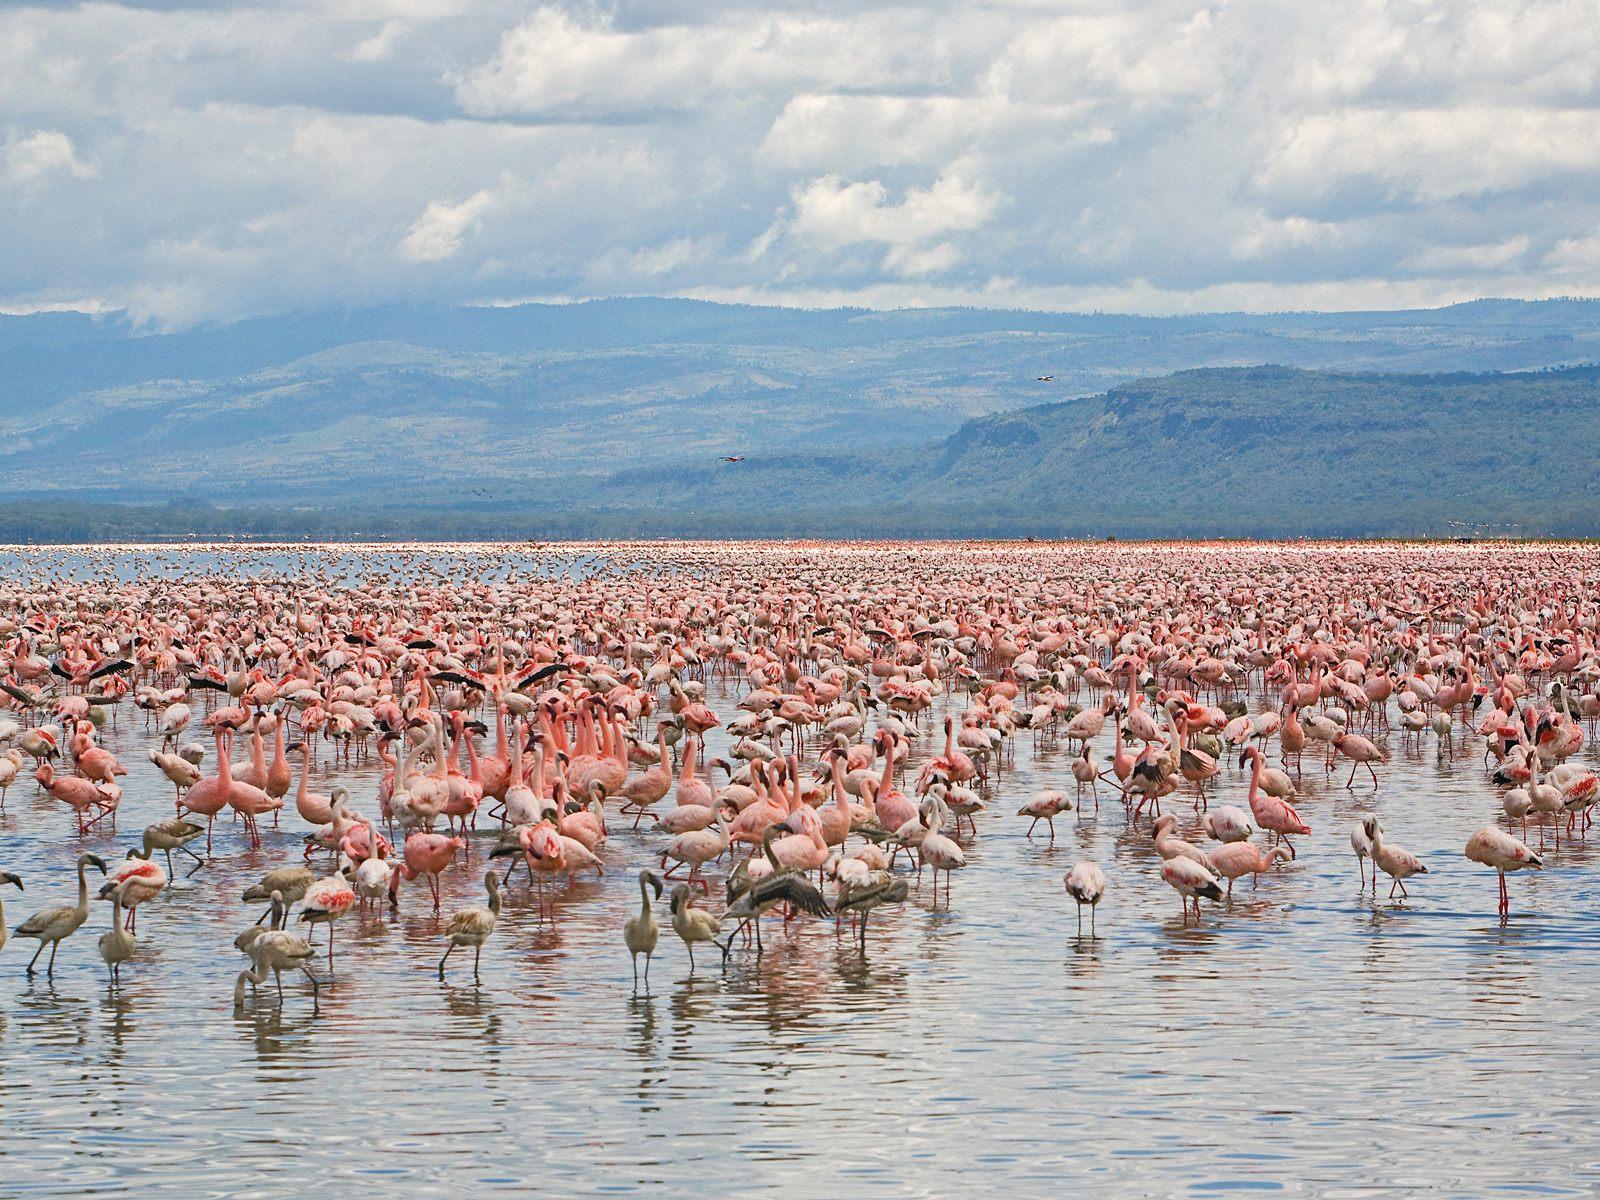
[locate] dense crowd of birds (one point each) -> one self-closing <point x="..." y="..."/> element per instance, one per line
<point x="520" y="715"/>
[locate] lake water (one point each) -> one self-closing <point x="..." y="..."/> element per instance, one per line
<point x="1307" y="1040"/>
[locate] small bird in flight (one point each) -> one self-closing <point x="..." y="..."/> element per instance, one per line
<point x="1046" y="378"/>
<point x="733" y="458"/>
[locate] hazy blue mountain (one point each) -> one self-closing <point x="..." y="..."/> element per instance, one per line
<point x="1258" y="451"/>
<point x="1271" y="451"/>
<point x="887" y="421"/>
<point x="527" y="404"/>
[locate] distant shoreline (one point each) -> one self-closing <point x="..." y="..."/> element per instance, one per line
<point x="224" y="544"/>
<point x="33" y="522"/>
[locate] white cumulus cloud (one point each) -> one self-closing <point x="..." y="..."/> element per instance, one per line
<point x="437" y="233"/>
<point x="44" y="152"/>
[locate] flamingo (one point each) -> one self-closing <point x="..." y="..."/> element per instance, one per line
<point x="1233" y="860"/>
<point x="1045" y="806"/>
<point x="117" y="944"/>
<point x="52" y="926"/>
<point x="427" y="855"/>
<point x="134" y="880"/>
<point x="1274" y="815"/>
<point x="472" y="926"/>
<point x="324" y="902"/>
<point x="641" y="932"/>
<point x="1361" y="752"/>
<point x="209" y="796"/>
<point x="1191" y="881"/>
<point x="80" y="795"/>
<point x="692" y="924"/>
<point x="1086" y="884"/>
<point x="1400" y="865"/>
<point x="1495" y="848"/>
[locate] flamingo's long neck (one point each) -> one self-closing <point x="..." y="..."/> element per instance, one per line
<point x="691" y="756"/>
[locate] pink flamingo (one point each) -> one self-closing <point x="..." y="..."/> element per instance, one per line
<point x="135" y="880"/>
<point x="1274" y="815"/>
<point x="1495" y="848"/>
<point x="210" y="796"/>
<point x="251" y="803"/>
<point x="313" y="807"/>
<point x="642" y="793"/>
<point x="96" y="763"/>
<point x="80" y="795"/>
<point x="1235" y="859"/>
<point x="895" y="810"/>
<point x="1360" y="751"/>
<point x="428" y="854"/>
<point x="324" y="902"/>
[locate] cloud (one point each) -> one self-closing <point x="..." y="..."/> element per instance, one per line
<point x="666" y="258"/>
<point x="381" y="44"/>
<point x="1575" y="256"/>
<point x="557" y="62"/>
<point x="1486" y="257"/>
<point x="1430" y="155"/>
<point x="853" y="132"/>
<point x="44" y="152"/>
<point x="198" y="161"/>
<point x="437" y="233"/>
<point x="833" y="214"/>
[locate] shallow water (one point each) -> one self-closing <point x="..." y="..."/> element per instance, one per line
<point x="1306" y="1040"/>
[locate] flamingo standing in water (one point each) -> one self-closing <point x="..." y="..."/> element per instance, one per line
<point x="313" y="807"/>
<point x="1362" y="752"/>
<point x="1045" y="806"/>
<point x="1191" y="881"/>
<point x="134" y="880"/>
<point x="1495" y="848"/>
<point x="1400" y="865"/>
<point x="472" y="926"/>
<point x="80" y="795"/>
<point x="1232" y="860"/>
<point x="1086" y="884"/>
<point x="641" y="794"/>
<point x="52" y="926"/>
<point x="251" y="802"/>
<point x="1275" y="816"/>
<point x="427" y="855"/>
<point x="642" y="932"/>
<point x="324" y="902"/>
<point x="209" y="796"/>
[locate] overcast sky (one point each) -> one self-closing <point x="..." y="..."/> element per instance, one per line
<point x="193" y="161"/>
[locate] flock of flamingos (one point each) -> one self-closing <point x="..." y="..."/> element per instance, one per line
<point x="526" y="717"/>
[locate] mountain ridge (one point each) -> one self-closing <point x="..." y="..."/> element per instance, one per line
<point x="626" y="408"/>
